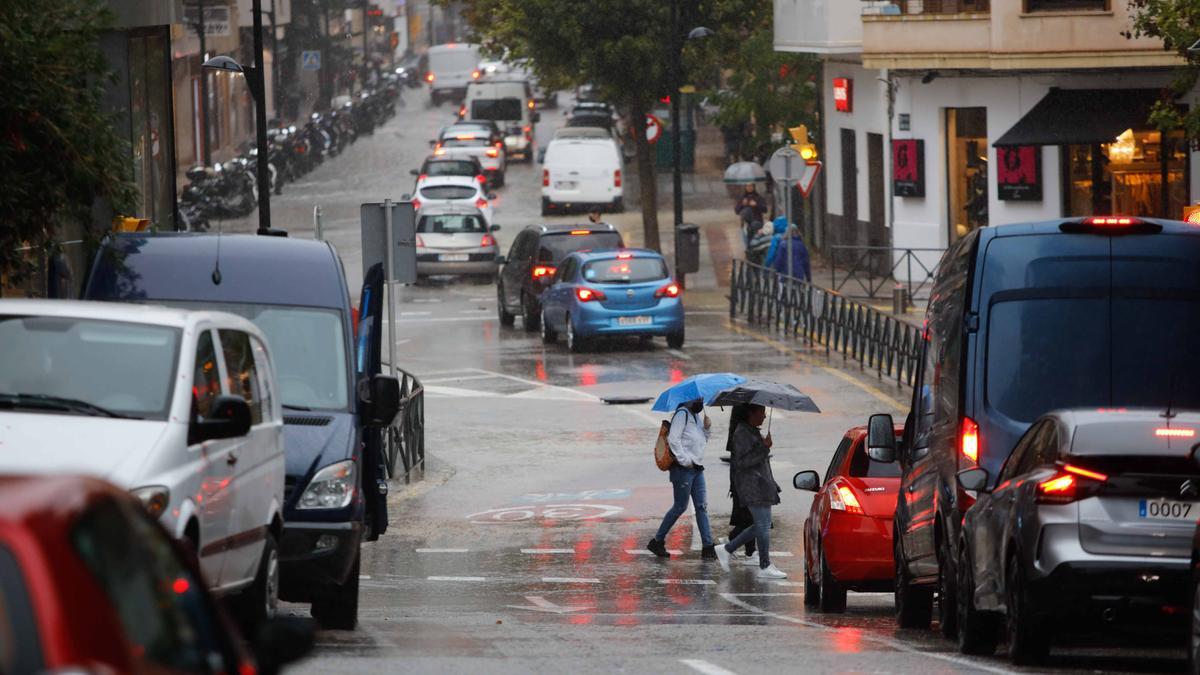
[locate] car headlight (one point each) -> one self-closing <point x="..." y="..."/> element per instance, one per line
<point x="331" y="488"/>
<point x="154" y="498"/>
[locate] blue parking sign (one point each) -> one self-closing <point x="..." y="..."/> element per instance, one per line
<point x="310" y="60"/>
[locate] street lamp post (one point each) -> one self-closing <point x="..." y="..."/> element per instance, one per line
<point x="255" y="79"/>
<point x="675" y="75"/>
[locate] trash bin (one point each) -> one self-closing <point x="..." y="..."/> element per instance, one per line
<point x="687" y="248"/>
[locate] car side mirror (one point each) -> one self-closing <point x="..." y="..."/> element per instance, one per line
<point x="230" y="418"/>
<point x="807" y="480"/>
<point x="973" y="480"/>
<point x="415" y="172"/>
<point x="881" y="438"/>
<point x="500" y="260"/>
<point x="281" y="641"/>
<point x="384" y="404"/>
<point x="495" y="228"/>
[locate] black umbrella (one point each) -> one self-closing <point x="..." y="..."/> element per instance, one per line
<point x="768" y="394"/>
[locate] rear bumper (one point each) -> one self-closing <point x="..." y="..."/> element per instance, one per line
<point x="592" y="319"/>
<point x="316" y="554"/>
<point x="858" y="549"/>
<point x="479" y="262"/>
<point x="518" y="144"/>
<point x="1141" y="593"/>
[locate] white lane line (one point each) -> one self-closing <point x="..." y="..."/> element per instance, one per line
<point x="708" y="312"/>
<point x="688" y="582"/>
<point x="460" y="378"/>
<point x="447" y="319"/>
<point x="705" y="667"/>
<point x="364" y="576"/>
<point x="415" y="313"/>
<point x="641" y="551"/>
<point x="456" y="578"/>
<point x="569" y="580"/>
<point x="788" y="583"/>
<point x="476" y="311"/>
<point x="540" y="551"/>
<point x="459" y="392"/>
<point x="887" y="642"/>
<point x="782" y="554"/>
<point x="442" y="550"/>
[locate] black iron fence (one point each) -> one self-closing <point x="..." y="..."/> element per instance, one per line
<point x="406" y="434"/>
<point x="877" y="341"/>
<point x="871" y="272"/>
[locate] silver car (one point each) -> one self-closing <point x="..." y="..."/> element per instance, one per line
<point x="455" y="240"/>
<point x="1089" y="523"/>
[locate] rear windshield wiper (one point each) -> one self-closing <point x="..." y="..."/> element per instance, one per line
<point x="46" y="401"/>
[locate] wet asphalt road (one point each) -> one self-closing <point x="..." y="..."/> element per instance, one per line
<point x="522" y="549"/>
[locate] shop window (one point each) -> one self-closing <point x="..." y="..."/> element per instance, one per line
<point x="967" y="169"/>
<point x="1142" y="173"/>
<point x="1065" y="5"/>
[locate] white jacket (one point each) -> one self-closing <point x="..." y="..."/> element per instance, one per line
<point x="687" y="438"/>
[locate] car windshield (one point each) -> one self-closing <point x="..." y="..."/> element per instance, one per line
<point x="862" y="466"/>
<point x="448" y="192"/>
<point x="88" y="366"/>
<point x="450" y="169"/>
<point x="496" y="109"/>
<point x="625" y="270"/>
<point x="452" y="223"/>
<point x="308" y="349"/>
<point x="555" y="247"/>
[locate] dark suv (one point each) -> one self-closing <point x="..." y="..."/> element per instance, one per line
<point x="533" y="260"/>
<point x="1025" y="319"/>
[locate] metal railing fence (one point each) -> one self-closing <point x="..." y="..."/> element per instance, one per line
<point x="406" y="433"/>
<point x="867" y="270"/>
<point x="876" y="340"/>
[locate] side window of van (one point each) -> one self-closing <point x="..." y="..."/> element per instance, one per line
<point x="924" y="411"/>
<point x="206" y="378"/>
<point x="241" y="371"/>
<point x="262" y="366"/>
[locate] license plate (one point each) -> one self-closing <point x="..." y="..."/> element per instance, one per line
<point x="565" y="185"/>
<point x="634" y="321"/>
<point x="1166" y="509"/>
<point x="454" y="257"/>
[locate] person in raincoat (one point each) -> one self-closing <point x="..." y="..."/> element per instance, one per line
<point x="740" y="518"/>
<point x="801" y="267"/>
<point x="756" y="487"/>
<point x="687" y="439"/>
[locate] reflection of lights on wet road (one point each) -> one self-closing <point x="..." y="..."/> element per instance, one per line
<point x="587" y="375"/>
<point x="540" y="370"/>
<point x="676" y="376"/>
<point x="847" y="640"/>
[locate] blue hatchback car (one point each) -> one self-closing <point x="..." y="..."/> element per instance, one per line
<point x="619" y="292"/>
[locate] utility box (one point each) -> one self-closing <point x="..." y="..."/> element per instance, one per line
<point x="687" y="249"/>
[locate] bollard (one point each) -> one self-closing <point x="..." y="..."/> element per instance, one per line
<point x="899" y="300"/>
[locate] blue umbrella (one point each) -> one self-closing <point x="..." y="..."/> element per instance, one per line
<point x="695" y="387"/>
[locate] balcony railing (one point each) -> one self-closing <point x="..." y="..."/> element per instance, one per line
<point x="897" y="7"/>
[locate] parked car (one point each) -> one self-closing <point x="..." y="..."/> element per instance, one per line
<point x="459" y="191"/>
<point x="336" y="401"/>
<point x="180" y="408"/>
<point x="582" y="173"/>
<point x="532" y="261"/>
<point x="90" y="583"/>
<point x="612" y="293"/>
<point x="467" y="167"/>
<point x="848" y="532"/>
<point x="1026" y="319"/>
<point x="451" y="68"/>
<point x="509" y="103"/>
<point x="1089" y="523"/>
<point x="455" y="239"/>
<point x="479" y="144"/>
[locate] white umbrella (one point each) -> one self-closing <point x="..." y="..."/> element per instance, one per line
<point x="745" y="173"/>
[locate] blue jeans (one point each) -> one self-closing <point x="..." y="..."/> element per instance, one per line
<point x="761" y="533"/>
<point x="688" y="483"/>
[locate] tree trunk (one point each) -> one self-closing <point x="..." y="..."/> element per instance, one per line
<point x="647" y="179"/>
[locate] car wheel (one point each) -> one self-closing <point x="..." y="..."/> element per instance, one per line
<point x="549" y="336"/>
<point x="530" y="313"/>
<point x="675" y="340"/>
<point x="812" y="591"/>
<point x="914" y="604"/>
<point x="257" y="604"/>
<point x="978" y="632"/>
<point x="1028" y="643"/>
<point x="506" y="318"/>
<point x="574" y="342"/>
<point x="336" y="606"/>
<point x="833" y="593"/>
<point x="946" y="589"/>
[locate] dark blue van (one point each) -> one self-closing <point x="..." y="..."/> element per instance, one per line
<point x="335" y="400"/>
<point x="1025" y="319"/>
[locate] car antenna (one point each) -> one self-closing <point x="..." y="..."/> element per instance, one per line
<point x="216" y="273"/>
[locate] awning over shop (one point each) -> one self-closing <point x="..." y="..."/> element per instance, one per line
<point x="1082" y="117"/>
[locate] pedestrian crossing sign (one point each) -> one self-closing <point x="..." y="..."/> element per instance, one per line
<point x="310" y="60"/>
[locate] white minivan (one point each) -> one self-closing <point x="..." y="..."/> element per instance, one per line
<point x="579" y="173"/>
<point x="179" y="407"/>
<point x="509" y="103"/>
<point x="452" y="67"/>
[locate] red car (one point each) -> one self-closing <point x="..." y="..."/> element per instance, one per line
<point x="848" y="532"/>
<point x="90" y="583"/>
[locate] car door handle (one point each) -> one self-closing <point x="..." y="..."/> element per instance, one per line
<point x="231" y="459"/>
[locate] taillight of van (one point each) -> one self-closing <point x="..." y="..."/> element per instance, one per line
<point x="968" y="440"/>
<point x="545" y="177"/>
<point x="617" y="178"/>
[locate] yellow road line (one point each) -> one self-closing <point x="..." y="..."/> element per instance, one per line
<point x="783" y="348"/>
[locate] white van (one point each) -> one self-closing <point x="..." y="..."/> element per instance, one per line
<point x="451" y="68"/>
<point x="582" y="173"/>
<point x="179" y="407"/>
<point x="508" y="103"/>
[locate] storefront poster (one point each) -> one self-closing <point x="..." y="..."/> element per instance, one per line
<point x="908" y="168"/>
<point x="1019" y="173"/>
<point x="843" y="94"/>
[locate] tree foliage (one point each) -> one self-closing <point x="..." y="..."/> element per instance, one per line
<point x="59" y="149"/>
<point x="1177" y="24"/>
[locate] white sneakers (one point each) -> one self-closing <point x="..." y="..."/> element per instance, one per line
<point x="772" y="572"/>
<point x="722" y="556"/>
<point x="750" y="560"/>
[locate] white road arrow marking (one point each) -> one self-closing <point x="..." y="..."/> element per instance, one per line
<point x="540" y="604"/>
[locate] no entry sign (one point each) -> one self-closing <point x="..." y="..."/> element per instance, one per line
<point x="653" y="129"/>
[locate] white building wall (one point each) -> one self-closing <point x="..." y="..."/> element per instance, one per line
<point x="869" y="116"/>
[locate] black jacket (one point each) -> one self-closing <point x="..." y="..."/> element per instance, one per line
<point x="752" y="477"/>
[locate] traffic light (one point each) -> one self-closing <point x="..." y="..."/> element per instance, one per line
<point x="801" y="143"/>
<point x="1192" y="214"/>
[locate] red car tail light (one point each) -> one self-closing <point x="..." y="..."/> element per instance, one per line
<point x="1078" y="471"/>
<point x="545" y="177"/>
<point x="843" y="499"/>
<point x="969" y="440"/>
<point x="429" y="77"/>
<point x="475" y="74"/>
<point x="438" y="151"/>
<point x="530" y="104"/>
<point x="1071" y="483"/>
<point x="462" y="111"/>
<point x="492" y="152"/>
<point x="624" y="256"/>
<point x="1175" y="433"/>
<point x="481" y="178"/>
<point x="487" y="240"/>
<point x="416" y="204"/>
<point x="1111" y="221"/>
<point x="589" y="294"/>
<point x="420" y="242"/>
<point x="671" y="290"/>
<point x="540" y="271"/>
<point x="617" y="178"/>
<point x="481" y="203"/>
<point x="580" y="232"/>
<point x="422" y="177"/>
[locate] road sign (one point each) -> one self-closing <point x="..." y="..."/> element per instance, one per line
<point x="404" y="239"/>
<point x="787" y="166"/>
<point x="310" y="60"/>
<point x="808" y="177"/>
<point x="654" y="128"/>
